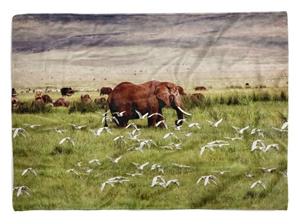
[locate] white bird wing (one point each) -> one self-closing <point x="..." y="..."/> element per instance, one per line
<point x="103" y="186"/>
<point x="19" y="192"/>
<point x="116" y="120"/>
<point x="206" y="180"/>
<point x="284" y="126"/>
<point x="139" y="114"/>
<point x="253" y="185"/>
<point x="174" y="181"/>
<point x="199" y="180"/>
<point x="117" y="159"/>
<point x="243" y="129"/>
<point x="143" y="165"/>
<point x="62" y="141"/>
<point x="24" y="172"/>
<point x="218" y="122"/>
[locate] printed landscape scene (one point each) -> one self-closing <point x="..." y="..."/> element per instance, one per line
<point x="150" y="111"/>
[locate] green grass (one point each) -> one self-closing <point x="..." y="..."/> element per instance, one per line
<point x="53" y="188"/>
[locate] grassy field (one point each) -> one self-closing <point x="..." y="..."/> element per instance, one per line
<point x="55" y="188"/>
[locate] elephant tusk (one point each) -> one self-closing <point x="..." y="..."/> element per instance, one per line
<point x="184" y="112"/>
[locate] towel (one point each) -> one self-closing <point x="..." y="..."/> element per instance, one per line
<point x="150" y="111"/>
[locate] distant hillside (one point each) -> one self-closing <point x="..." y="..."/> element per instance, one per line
<point x="191" y="49"/>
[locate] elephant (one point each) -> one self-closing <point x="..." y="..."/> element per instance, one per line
<point x="127" y="99"/>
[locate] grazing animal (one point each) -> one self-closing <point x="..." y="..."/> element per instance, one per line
<point x="196" y="97"/>
<point x="61" y="102"/>
<point x="200" y="88"/>
<point x="101" y="102"/>
<point x="105" y="90"/>
<point x="15" y="102"/>
<point x="38" y="102"/>
<point x="181" y="91"/>
<point x="13" y="92"/>
<point x="38" y="93"/>
<point x="146" y="98"/>
<point x="47" y="99"/>
<point x="85" y="99"/>
<point x="67" y="91"/>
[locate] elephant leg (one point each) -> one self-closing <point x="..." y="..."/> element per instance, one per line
<point x="123" y="121"/>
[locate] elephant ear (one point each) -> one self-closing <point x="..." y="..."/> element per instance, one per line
<point x="163" y="94"/>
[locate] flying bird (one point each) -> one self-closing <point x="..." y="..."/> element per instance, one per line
<point x="207" y="179"/>
<point x="19" y="131"/>
<point x="240" y="130"/>
<point x="22" y="190"/>
<point x="112" y="181"/>
<point x="119" y="114"/>
<point x="141" y="166"/>
<point x="29" y="170"/>
<point x="283" y="128"/>
<point x="192" y="125"/>
<point x="67" y="139"/>
<point x="215" y="124"/>
<point x="114" y="160"/>
<point x="256" y="183"/>
<point x="142" y="116"/>
<point x="162" y="122"/>
<point x="95" y="161"/>
<point x="160" y="181"/>
<point x="170" y="134"/>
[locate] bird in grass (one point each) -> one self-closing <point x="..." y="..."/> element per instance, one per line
<point x="59" y="131"/>
<point x="258" y="144"/>
<point x="99" y="131"/>
<point x="283" y="128"/>
<point x="22" y="190"/>
<point x="215" y="124"/>
<point x="141" y="166"/>
<point x="73" y="171"/>
<point x="119" y="139"/>
<point x="160" y="181"/>
<point x="29" y="170"/>
<point x="141" y="116"/>
<point x="181" y="166"/>
<point x="19" y="131"/>
<point x="143" y="143"/>
<point x="172" y="146"/>
<point x="161" y="122"/>
<point x="157" y="167"/>
<point x="67" y="139"/>
<point x="249" y="175"/>
<point x="78" y="127"/>
<point x="180" y="121"/>
<point x="258" y="183"/>
<point x="240" y="130"/>
<point x="131" y="125"/>
<point x="268" y="170"/>
<point x="112" y="181"/>
<point x="114" y="160"/>
<point x="33" y="126"/>
<point x="207" y="179"/>
<point x="234" y="138"/>
<point x="134" y="174"/>
<point x="258" y="132"/>
<point x="134" y="136"/>
<point x="221" y="172"/>
<point x="119" y="114"/>
<point x="271" y="146"/>
<point x="95" y="161"/>
<point x="170" y="134"/>
<point x="192" y="125"/>
<point x="188" y="134"/>
<point x="212" y="145"/>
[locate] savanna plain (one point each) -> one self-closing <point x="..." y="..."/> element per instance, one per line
<point x="239" y="162"/>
